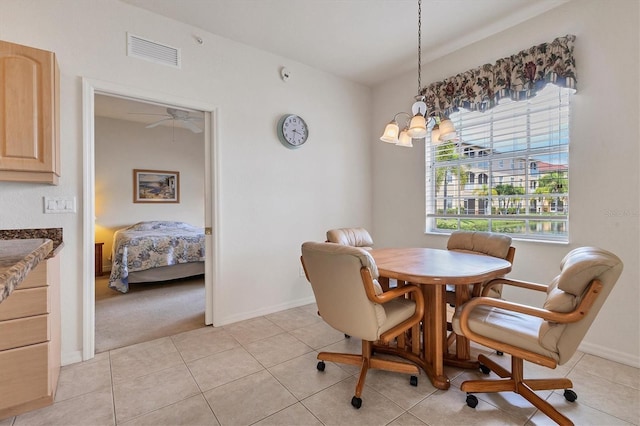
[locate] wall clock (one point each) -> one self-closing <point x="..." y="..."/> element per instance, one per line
<point x="292" y="131"/>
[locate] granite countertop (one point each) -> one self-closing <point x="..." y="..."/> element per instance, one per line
<point x="53" y="234"/>
<point x="17" y="258"/>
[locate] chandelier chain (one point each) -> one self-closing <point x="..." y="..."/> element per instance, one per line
<point x="419" y="44"/>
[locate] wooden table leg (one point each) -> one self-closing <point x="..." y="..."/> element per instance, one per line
<point x="434" y="335"/>
<point x="462" y="357"/>
<point x="462" y="343"/>
<point x="384" y="283"/>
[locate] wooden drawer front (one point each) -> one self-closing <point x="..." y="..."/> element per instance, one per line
<point x="23" y="332"/>
<point x="25" y="374"/>
<point x="36" y="277"/>
<point x="25" y="303"/>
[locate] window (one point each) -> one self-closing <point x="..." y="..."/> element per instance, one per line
<point x="517" y="181"/>
<point x="472" y="178"/>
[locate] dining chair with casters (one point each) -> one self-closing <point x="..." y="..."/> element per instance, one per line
<point x="485" y="243"/>
<point x="354" y="237"/>
<point x="344" y="283"/>
<point x="547" y="336"/>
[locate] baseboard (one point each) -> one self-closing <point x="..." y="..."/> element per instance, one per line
<point x="610" y="354"/>
<point x="266" y="311"/>
<point x="71" y="357"/>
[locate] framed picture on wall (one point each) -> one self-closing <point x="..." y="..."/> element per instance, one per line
<point x="156" y="186"/>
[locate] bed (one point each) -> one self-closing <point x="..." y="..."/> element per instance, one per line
<point x="156" y="251"/>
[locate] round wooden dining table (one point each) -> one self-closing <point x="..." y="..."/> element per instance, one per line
<point x="432" y="270"/>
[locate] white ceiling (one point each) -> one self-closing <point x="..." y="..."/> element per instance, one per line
<point x="367" y="41"/>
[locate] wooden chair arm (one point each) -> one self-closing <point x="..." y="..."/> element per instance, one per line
<point x="516" y="283"/>
<point x="577" y="314"/>
<point x="394" y="293"/>
<point x="390" y="294"/>
<point x="560" y="317"/>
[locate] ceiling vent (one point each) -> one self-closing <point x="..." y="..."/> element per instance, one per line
<point x="152" y="51"/>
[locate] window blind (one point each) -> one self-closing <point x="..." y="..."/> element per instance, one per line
<point x="507" y="171"/>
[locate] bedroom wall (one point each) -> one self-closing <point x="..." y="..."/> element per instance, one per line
<point x="271" y="198"/>
<point x="604" y="157"/>
<point x="122" y="146"/>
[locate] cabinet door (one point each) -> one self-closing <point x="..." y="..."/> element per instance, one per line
<point x="28" y="114"/>
<point x="24" y="375"/>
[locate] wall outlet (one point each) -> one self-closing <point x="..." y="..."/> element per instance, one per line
<point x="59" y="204"/>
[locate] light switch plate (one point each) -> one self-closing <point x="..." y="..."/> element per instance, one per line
<point x="59" y="204"/>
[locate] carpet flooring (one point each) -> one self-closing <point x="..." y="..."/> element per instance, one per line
<point x="147" y="312"/>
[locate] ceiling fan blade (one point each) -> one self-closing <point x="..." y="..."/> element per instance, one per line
<point x="157" y="123"/>
<point x="189" y="125"/>
<point x="147" y="113"/>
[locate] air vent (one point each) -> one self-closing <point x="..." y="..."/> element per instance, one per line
<point x="152" y="51"/>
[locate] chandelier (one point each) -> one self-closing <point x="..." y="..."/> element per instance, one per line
<point x="416" y="123"/>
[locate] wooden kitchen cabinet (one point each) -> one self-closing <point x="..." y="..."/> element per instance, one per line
<point x="29" y="114"/>
<point x="30" y="341"/>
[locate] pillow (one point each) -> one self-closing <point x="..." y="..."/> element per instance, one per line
<point x="460" y="240"/>
<point x="157" y="224"/>
<point x="356" y="237"/>
<point x="579" y="268"/>
<point x="558" y="300"/>
<point x="495" y="245"/>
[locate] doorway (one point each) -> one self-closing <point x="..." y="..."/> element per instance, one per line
<point x="91" y="88"/>
<point x="153" y="301"/>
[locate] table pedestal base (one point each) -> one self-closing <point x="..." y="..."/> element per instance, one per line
<point x="438" y="381"/>
<point x="453" y="361"/>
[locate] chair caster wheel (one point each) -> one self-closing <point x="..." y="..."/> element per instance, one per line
<point x="485" y="369"/>
<point x="413" y="381"/>
<point x="321" y="365"/>
<point x="472" y="401"/>
<point x="356" y="402"/>
<point x="570" y="395"/>
<point x="347" y="336"/>
<point x="500" y="353"/>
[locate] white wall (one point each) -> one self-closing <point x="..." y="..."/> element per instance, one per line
<point x="604" y="157"/>
<point x="271" y="198"/>
<point x="122" y="146"/>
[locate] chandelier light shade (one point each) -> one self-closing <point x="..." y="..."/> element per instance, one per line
<point x="420" y="119"/>
<point x="418" y="127"/>
<point x="447" y="131"/>
<point x="435" y="133"/>
<point x="405" y="139"/>
<point x="390" y="134"/>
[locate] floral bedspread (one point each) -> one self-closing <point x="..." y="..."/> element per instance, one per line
<point x="148" y="245"/>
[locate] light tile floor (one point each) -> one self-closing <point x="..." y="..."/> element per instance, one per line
<point x="263" y="372"/>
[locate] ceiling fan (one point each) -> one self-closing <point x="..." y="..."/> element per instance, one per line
<point x="174" y="114"/>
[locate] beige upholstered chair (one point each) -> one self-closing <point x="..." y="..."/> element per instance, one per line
<point x="487" y="243"/>
<point x="344" y="282"/>
<point x="356" y="237"/>
<point x="547" y="336"/>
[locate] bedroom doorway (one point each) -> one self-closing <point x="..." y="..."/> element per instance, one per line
<point x="94" y="93"/>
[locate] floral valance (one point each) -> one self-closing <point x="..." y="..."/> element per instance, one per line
<point x="518" y="76"/>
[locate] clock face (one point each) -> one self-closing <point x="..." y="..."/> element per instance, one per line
<point x="293" y="131"/>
